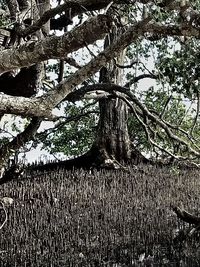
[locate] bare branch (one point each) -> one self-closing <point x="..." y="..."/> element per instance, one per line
<point x="190" y="138"/>
<point x="26" y="107"/>
<point x="55" y="47"/>
<point x="145" y="127"/>
<point x="140" y="77"/>
<point x="43" y="106"/>
<point x="125" y="66"/>
<point x="62" y="123"/>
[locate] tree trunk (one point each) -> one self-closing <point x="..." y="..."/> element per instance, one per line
<point x="112" y="135"/>
<point x="112" y="138"/>
<point x="112" y="145"/>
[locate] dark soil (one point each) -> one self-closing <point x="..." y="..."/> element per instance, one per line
<point x="100" y="218"/>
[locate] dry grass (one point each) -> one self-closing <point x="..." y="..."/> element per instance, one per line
<point x="99" y="219"/>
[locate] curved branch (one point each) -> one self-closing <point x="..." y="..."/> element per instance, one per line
<point x="145" y="127"/>
<point x="140" y="77"/>
<point x="77" y="95"/>
<point x="186" y="216"/>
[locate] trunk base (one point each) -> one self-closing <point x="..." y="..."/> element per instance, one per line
<point x="94" y="158"/>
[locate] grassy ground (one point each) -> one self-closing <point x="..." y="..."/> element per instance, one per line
<point x="100" y="219"/>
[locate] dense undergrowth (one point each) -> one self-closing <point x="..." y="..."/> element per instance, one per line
<point x="100" y="218"/>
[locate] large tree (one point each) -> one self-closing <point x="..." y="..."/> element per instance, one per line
<point x="118" y="38"/>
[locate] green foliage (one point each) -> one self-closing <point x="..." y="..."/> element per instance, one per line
<point x="175" y="60"/>
<point x="75" y="136"/>
<point x="171" y="108"/>
<point x="4" y="20"/>
<point x="172" y="97"/>
<point x="181" y="67"/>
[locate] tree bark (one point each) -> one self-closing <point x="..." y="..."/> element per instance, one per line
<point x="112" y="140"/>
<point x="55" y="46"/>
<point x="112" y="136"/>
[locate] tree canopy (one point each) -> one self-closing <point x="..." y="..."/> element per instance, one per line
<point x="101" y="63"/>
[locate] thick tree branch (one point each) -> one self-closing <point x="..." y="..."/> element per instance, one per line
<point x="174" y="30"/>
<point x="42" y="106"/>
<point x="88" y="32"/>
<point x="27" y="107"/>
<point x="67" y="86"/>
<point x="55" y="47"/>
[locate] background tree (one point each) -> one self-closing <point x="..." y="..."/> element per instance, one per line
<point x="158" y="40"/>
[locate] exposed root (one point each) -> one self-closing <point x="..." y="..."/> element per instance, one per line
<point x="188" y="218"/>
<point x="112" y="164"/>
<point x="94" y="159"/>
